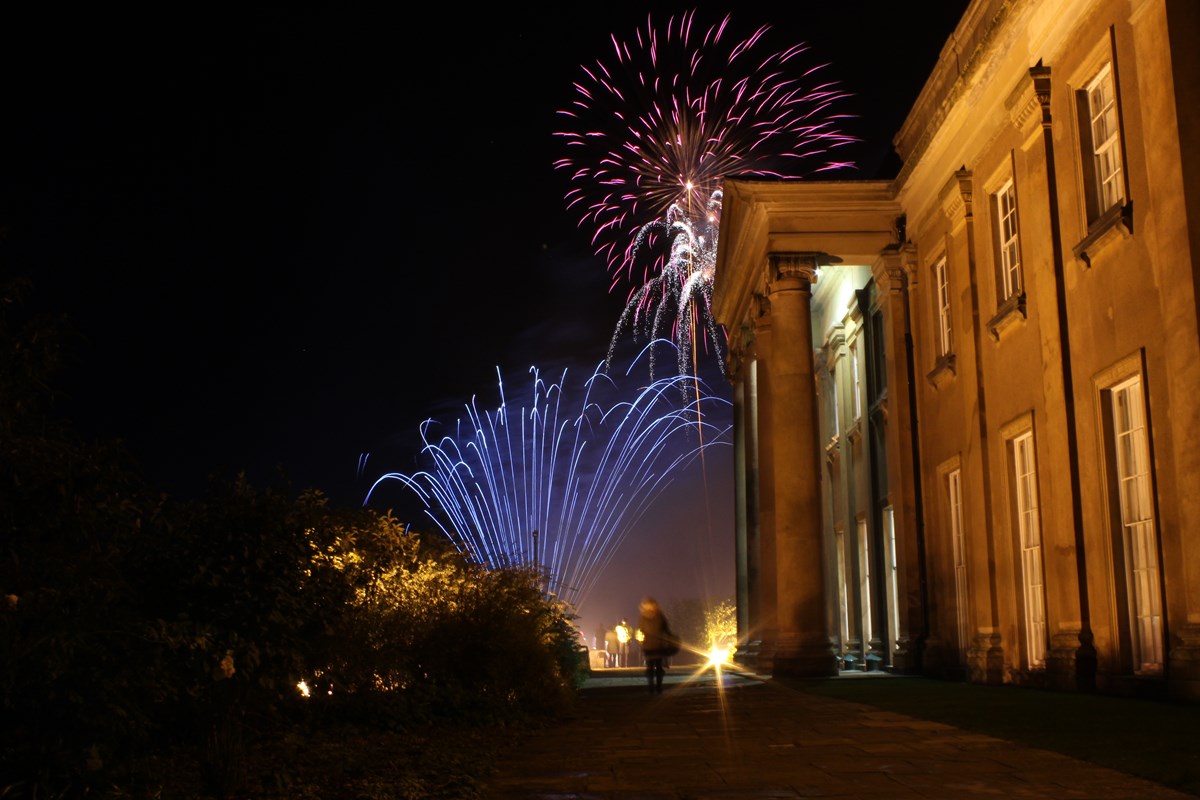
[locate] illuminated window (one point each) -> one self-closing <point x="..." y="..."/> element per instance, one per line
<point x="837" y="422"/>
<point x="1008" y="255"/>
<point x="943" y="305"/>
<point x="893" y="578"/>
<point x="843" y="596"/>
<point x="877" y="379"/>
<point x="1138" y="537"/>
<point x="1100" y="131"/>
<point x="954" y="501"/>
<point x="864" y="586"/>
<point x="1024" y="474"/>
<point x="855" y="380"/>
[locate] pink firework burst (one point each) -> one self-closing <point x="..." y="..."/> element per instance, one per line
<point x="656" y="124"/>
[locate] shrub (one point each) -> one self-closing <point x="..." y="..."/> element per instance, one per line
<point x="429" y="633"/>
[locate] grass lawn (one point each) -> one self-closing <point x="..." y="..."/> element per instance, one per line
<point x="1155" y="740"/>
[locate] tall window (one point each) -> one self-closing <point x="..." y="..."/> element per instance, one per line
<point x="843" y="596"/>
<point x="954" y="500"/>
<point x="1139" y="539"/>
<point x="1100" y="130"/>
<point x="893" y="578"/>
<point x="877" y="356"/>
<point x="864" y="587"/>
<point x="1009" y="254"/>
<point x="837" y="423"/>
<point x="1033" y="584"/>
<point x="855" y="379"/>
<point x="943" y="302"/>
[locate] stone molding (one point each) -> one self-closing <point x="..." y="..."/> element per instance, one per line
<point x="791" y="268"/>
<point x="1114" y="225"/>
<point x="956" y="197"/>
<point x="944" y="369"/>
<point x="1011" y="311"/>
<point x="1029" y="104"/>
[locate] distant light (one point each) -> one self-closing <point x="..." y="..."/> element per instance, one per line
<point x="718" y="656"/>
<point x="303" y="687"/>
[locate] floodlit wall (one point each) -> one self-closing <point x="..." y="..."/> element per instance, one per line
<point x="1033" y="269"/>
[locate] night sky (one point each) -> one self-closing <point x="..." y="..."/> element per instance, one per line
<point x="284" y="238"/>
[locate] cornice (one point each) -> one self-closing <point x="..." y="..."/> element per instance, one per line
<point x="940" y="96"/>
<point x="956" y="197"/>
<point x="762" y="214"/>
<point x="1029" y="103"/>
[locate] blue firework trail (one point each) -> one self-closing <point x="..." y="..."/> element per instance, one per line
<point x="579" y="470"/>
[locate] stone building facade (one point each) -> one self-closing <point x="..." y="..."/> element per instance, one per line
<point x="966" y="399"/>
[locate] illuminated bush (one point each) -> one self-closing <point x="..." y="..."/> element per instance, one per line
<point x="720" y="625"/>
<point x="429" y="633"/>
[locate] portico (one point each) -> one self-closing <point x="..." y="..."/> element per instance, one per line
<point x="803" y="545"/>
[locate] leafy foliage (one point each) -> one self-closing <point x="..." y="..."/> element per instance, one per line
<point x="720" y="625"/>
<point x="132" y="623"/>
<point x="68" y="509"/>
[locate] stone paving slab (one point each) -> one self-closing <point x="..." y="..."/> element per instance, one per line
<point x="747" y="739"/>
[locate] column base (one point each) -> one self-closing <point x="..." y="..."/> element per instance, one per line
<point x="851" y="657"/>
<point x="876" y="658"/>
<point x="746" y="656"/>
<point x="805" y="657"/>
<point x="765" y="654"/>
<point x="985" y="660"/>
<point x="1071" y="663"/>
<point x="907" y="658"/>
<point x="1183" y="665"/>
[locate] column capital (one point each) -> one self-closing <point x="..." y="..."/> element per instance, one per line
<point x="835" y="341"/>
<point x="792" y="270"/>
<point x="890" y="268"/>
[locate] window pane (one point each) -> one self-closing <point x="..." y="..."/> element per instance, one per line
<point x="1106" y="146"/>
<point x="1025" y="484"/>
<point x="1009" y="256"/>
<point x="1140" y="539"/>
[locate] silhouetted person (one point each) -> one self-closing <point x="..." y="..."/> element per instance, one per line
<point x="657" y="642"/>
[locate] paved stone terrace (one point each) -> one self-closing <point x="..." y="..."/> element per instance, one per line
<point x="748" y="738"/>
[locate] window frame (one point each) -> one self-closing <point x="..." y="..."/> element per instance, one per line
<point x="1105" y="207"/>
<point x="1137" y="573"/>
<point x="866" y="603"/>
<point x="1025" y="497"/>
<point x="855" y="380"/>
<point x="958" y="551"/>
<point x="1104" y="163"/>
<point x="945" y="321"/>
<point x="1008" y="240"/>
<point x="1107" y="157"/>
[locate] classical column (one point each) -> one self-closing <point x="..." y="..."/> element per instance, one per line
<point x="753" y="526"/>
<point x="802" y="645"/>
<point x="891" y="273"/>
<point x="764" y="426"/>
<point x="737" y="370"/>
